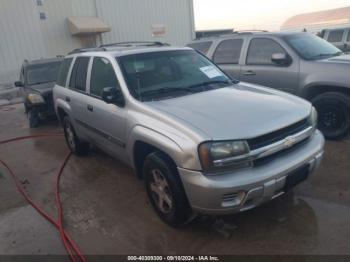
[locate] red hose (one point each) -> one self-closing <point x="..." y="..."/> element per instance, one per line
<point x="68" y="242"/>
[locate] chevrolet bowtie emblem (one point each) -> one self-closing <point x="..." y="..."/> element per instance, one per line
<point x="289" y="141"/>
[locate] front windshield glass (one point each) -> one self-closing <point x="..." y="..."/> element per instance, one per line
<point x="42" y="73"/>
<point x="166" y="74"/>
<point x="311" y="47"/>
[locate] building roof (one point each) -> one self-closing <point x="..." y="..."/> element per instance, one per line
<point x="339" y="15"/>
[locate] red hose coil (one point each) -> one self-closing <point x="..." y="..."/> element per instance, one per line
<point x="69" y="244"/>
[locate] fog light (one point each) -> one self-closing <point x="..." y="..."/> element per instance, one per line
<point x="233" y="200"/>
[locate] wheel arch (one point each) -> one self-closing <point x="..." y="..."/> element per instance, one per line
<point x="313" y="90"/>
<point x="144" y="141"/>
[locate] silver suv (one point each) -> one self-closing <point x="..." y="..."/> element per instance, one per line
<point x="298" y="63"/>
<point x="202" y="142"/>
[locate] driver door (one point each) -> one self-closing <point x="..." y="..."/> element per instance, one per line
<point x="259" y="69"/>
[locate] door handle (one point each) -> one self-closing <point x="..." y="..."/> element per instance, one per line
<point x="90" y="108"/>
<point x="249" y="73"/>
<point x="67" y="98"/>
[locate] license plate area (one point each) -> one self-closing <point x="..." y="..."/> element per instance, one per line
<point x="296" y="177"/>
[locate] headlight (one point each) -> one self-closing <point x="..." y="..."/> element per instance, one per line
<point x="36" y="99"/>
<point x="313" y="118"/>
<point x="217" y="155"/>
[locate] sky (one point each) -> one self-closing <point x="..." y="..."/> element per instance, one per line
<point x="255" y="14"/>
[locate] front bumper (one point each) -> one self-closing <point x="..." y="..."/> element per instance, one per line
<point x="247" y="188"/>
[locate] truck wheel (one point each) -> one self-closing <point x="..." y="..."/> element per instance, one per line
<point x="74" y="143"/>
<point x="333" y="114"/>
<point x="34" y="119"/>
<point x="165" y="190"/>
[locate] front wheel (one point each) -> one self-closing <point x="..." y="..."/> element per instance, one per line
<point x="165" y="190"/>
<point x="34" y="118"/>
<point x="75" y="145"/>
<point x="333" y="114"/>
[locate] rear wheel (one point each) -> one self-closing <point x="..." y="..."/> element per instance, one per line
<point x="77" y="146"/>
<point x="165" y="190"/>
<point x="333" y="114"/>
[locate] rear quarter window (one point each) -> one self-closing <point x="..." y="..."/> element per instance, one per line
<point x="202" y="47"/>
<point x="63" y="72"/>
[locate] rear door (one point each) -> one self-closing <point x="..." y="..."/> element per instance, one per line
<point x="76" y="93"/>
<point x="106" y="122"/>
<point x="227" y="55"/>
<point x="259" y="69"/>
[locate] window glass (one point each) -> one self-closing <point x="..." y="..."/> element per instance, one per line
<point x="166" y="74"/>
<point x="63" y="72"/>
<point x="228" y="51"/>
<point x="335" y="36"/>
<point x="348" y="38"/>
<point x="261" y="50"/>
<point x="79" y="73"/>
<point x="202" y="47"/>
<point x="42" y="73"/>
<point x="102" y="75"/>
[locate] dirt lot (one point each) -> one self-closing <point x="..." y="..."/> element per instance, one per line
<point x="106" y="210"/>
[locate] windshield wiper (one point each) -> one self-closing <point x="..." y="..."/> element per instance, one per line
<point x="208" y="83"/>
<point x="39" y="83"/>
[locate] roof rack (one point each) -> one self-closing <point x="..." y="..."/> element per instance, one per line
<point x="233" y="33"/>
<point x="82" y="50"/>
<point x="251" y="31"/>
<point x="107" y="47"/>
<point x="248" y="32"/>
<point x="135" y="43"/>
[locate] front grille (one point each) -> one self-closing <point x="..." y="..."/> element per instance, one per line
<point x="278" y="135"/>
<point x="264" y="160"/>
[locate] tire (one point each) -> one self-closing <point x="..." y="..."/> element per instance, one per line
<point x="162" y="179"/>
<point x="333" y="114"/>
<point x="34" y="119"/>
<point x="75" y="145"/>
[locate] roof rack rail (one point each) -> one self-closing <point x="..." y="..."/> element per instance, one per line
<point x="248" y="32"/>
<point x="136" y="43"/>
<point x="251" y="31"/>
<point x="82" y="50"/>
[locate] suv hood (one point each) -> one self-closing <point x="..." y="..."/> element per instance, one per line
<point x="338" y="59"/>
<point x="43" y="89"/>
<point x="238" y="112"/>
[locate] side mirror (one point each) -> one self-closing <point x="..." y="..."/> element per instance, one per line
<point x="281" y="59"/>
<point x="19" y="84"/>
<point x="112" y="95"/>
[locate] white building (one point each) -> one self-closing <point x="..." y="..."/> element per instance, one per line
<point x="317" y="21"/>
<point x="33" y="29"/>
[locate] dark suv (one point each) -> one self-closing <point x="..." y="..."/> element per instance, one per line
<point x="299" y="63"/>
<point x="37" y="78"/>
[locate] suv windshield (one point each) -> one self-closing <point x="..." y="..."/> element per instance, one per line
<point x="166" y="74"/>
<point x="42" y="73"/>
<point x="311" y="47"/>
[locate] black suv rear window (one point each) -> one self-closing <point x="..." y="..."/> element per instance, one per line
<point x="62" y="75"/>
